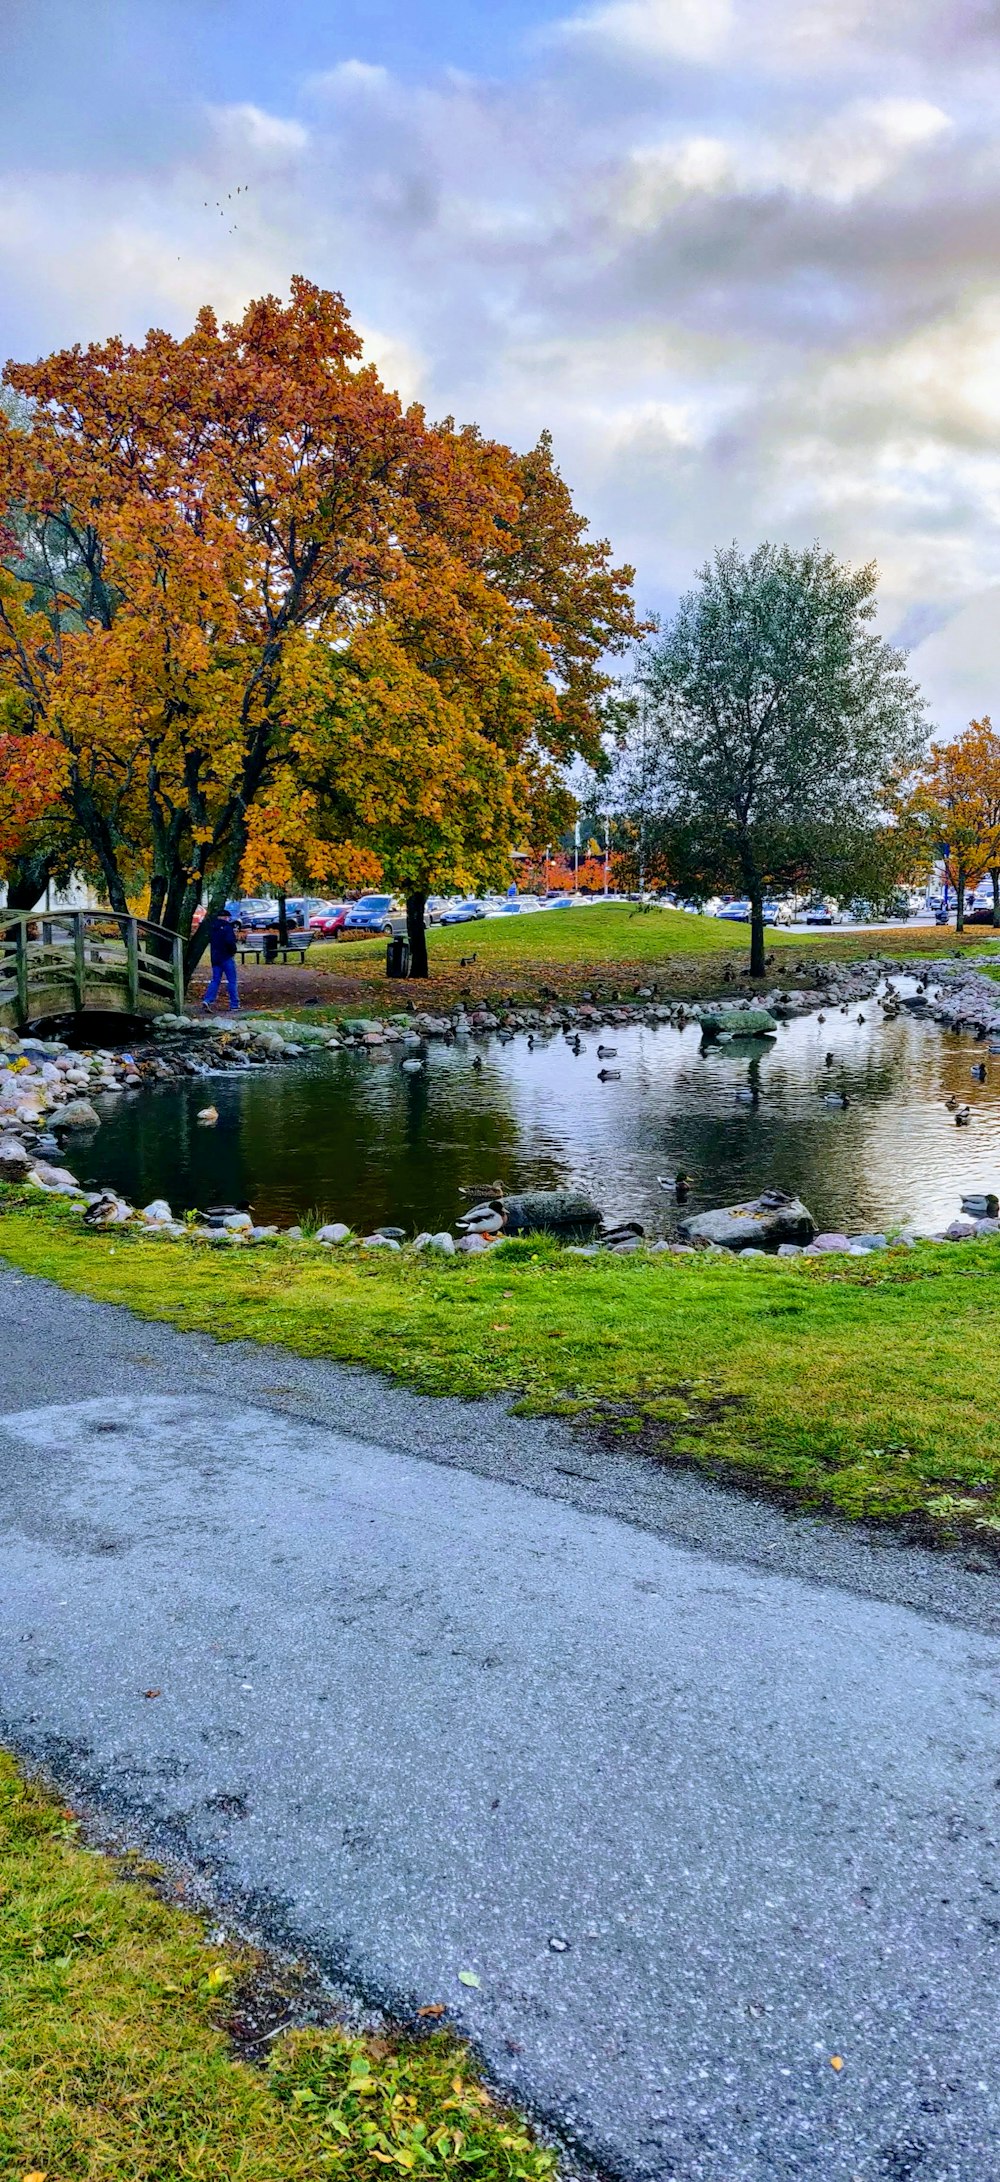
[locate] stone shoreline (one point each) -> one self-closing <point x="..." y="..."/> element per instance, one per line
<point x="46" y="1090"/>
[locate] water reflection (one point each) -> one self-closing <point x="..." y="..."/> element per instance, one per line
<point x="359" y="1140"/>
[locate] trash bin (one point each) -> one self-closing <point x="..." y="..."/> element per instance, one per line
<point x="270" y="946"/>
<point x="397" y="958"/>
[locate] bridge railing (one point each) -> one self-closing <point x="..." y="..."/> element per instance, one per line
<point x="68" y="960"/>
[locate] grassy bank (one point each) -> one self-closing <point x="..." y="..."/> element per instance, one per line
<point x="116" y="2064"/>
<point x="869" y="1386"/>
<point x="604" y="949"/>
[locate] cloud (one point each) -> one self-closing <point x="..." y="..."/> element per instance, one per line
<point x="640" y="31"/>
<point x="742" y="256"/>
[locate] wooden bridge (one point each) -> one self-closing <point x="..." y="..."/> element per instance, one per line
<point x="76" y="961"/>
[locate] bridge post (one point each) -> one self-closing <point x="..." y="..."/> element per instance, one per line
<point x="177" y="965"/>
<point x="22" y="970"/>
<point x="79" y="974"/>
<point x="132" y="953"/>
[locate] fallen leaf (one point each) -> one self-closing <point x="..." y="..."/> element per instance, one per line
<point x="434" y="2007"/>
<point x="152" y="1693"/>
<point x="836" y="2062"/>
<point x="467" y="1977"/>
<point x="38" y="2174"/>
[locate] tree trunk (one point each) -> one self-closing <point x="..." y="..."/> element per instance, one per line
<point x="416" y="933"/>
<point x="282" y="917"/>
<point x="995" y="876"/>
<point x="960" y="903"/>
<point x="758" y="966"/>
<point x="27" y="879"/>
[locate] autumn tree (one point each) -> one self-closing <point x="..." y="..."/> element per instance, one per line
<point x="955" y="800"/>
<point x="197" y="520"/>
<point x="779" y="721"/>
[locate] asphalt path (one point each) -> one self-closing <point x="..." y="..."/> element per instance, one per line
<point x="706" y="1798"/>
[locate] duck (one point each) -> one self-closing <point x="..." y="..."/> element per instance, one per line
<point x="830" y="1058"/>
<point x="821" y="1018"/>
<point x="207" y="1117"/>
<point x="978" y="1070"/>
<point x="861" y="1019"/>
<point x="477" y="1063"/>
<point x="607" y="1053"/>
<point x="951" y="1103"/>
<point x="609" y="1075"/>
<point x="963" y="1117"/>
<point x="680" y="1182"/>
<point x="836" y="1098"/>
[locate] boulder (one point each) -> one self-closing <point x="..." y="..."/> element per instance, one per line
<point x="764" y="1221"/>
<point x="737" y="1022"/>
<point x="443" y="1242"/>
<point x="15" y="1162"/>
<point x="549" y="1212"/>
<point x="156" y="1213"/>
<point x="77" y="1114"/>
<point x="335" y="1231"/>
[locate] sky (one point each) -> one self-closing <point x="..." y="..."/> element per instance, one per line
<point x="741" y="257"/>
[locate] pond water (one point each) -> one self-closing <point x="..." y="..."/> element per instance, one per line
<point x="360" y="1141"/>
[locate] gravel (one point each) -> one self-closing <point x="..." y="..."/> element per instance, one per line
<point x="704" y="1795"/>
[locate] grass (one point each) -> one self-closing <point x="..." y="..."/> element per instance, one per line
<point x="115" y="2064"/>
<point x="867" y="1386"/>
<point x="606" y="947"/>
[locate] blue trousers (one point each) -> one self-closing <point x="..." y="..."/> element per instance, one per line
<point x="222" y="970"/>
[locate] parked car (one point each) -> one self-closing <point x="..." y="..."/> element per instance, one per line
<point x="821" y="912"/>
<point x="300" y="908"/>
<point x="330" y="919"/>
<point x="375" y="913"/>
<point x="254" y="913"/>
<point x="467" y="912"/>
<point x="739" y="912"/>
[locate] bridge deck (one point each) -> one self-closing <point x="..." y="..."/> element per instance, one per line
<point x="72" y="961"/>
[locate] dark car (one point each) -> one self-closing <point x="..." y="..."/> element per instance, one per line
<point x="375" y="913"/>
<point x="464" y="913"/>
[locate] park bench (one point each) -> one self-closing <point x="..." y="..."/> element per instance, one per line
<point x="253" y="943"/>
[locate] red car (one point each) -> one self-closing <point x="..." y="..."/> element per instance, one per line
<point x="330" y="921"/>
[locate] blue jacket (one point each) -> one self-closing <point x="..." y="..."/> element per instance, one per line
<point x="222" y="941"/>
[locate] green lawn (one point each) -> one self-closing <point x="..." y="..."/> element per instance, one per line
<point x="610" y="946"/>
<point x="115" y="2065"/>
<point x="871" y="1386"/>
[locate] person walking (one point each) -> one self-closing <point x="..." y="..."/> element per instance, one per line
<point x="222" y="946"/>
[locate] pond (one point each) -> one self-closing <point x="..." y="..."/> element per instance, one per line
<point x="351" y="1139"/>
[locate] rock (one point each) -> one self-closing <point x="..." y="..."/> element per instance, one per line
<point x="549" y="1212"/>
<point x="335" y="1231"/>
<point x="789" y="1250"/>
<point x="294" y="1234"/>
<point x="379" y="1242"/>
<point x="54" y="1177"/>
<point x="443" y="1242"/>
<point x="737" y="1022"/>
<point x="392" y="1234"/>
<point x="15" y="1162"/>
<point x="988" y="1227"/>
<point x="831" y="1239"/>
<point x="978" y="1206"/>
<point x="751" y="1252"/>
<point x="157" y="1212"/>
<point x="869" y="1242"/>
<point x="769" y="1219"/>
<point x="421" y="1241"/>
<point x="960" y="1231"/>
<point x="472" y="1245"/>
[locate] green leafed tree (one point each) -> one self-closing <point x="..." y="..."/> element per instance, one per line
<point x="781" y="721"/>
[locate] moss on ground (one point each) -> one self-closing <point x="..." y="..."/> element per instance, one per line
<point x="869" y="1385"/>
<point x="116" y="2066"/>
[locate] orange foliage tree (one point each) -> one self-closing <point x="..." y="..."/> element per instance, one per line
<point x="255" y="602"/>
<point x="955" y="802"/>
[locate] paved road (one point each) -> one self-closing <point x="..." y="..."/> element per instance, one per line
<point x="426" y="1706"/>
